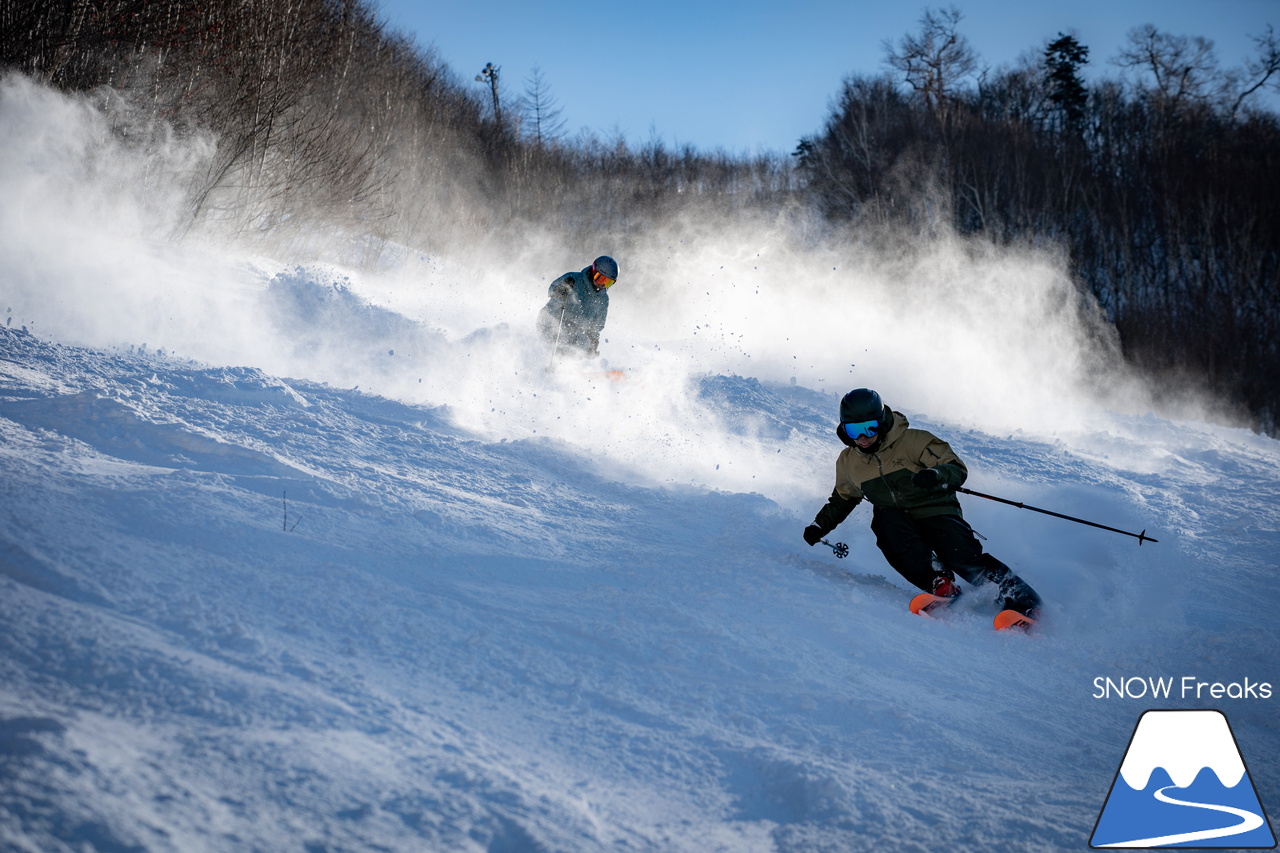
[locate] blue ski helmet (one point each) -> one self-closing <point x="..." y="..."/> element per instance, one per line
<point x="606" y="266"/>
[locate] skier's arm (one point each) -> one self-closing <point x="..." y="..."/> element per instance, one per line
<point x="938" y="456"/>
<point x="837" y="509"/>
<point x="561" y="287"/>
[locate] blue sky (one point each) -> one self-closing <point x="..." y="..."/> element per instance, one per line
<point x="756" y="75"/>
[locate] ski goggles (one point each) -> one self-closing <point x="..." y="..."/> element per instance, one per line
<point x="857" y="430"/>
<point x="601" y="280"/>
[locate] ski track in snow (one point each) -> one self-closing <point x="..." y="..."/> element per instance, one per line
<point x="243" y="612"/>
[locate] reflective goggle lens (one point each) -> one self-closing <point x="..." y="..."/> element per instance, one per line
<point x="601" y="279"/>
<point x="858" y="430"/>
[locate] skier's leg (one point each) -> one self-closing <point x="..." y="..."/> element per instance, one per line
<point x="958" y="549"/>
<point x="574" y="339"/>
<point x="1015" y="593"/>
<point x="899" y="541"/>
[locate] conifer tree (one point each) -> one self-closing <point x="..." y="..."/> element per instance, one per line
<point x="1063" y="59"/>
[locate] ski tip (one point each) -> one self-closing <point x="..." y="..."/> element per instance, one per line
<point x="925" y="603"/>
<point x="1008" y="619"/>
<point x="610" y="374"/>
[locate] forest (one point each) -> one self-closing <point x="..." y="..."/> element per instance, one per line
<point x="1160" y="184"/>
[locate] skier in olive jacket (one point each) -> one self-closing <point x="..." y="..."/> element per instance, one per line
<point x="909" y="476"/>
<point x="579" y="304"/>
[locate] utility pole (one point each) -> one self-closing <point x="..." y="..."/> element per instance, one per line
<point x="489" y="74"/>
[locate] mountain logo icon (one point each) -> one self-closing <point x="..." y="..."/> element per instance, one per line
<point x="1183" y="783"/>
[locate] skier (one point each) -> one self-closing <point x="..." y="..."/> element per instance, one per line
<point x="908" y="475"/>
<point x="575" y="314"/>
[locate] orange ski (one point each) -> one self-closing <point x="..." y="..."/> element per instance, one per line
<point x="926" y="603"/>
<point x="1007" y="619"/>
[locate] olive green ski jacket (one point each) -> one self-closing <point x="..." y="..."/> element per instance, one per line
<point x="883" y="477"/>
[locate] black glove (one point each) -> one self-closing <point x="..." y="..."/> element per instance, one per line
<point x="929" y="478"/>
<point x="813" y="534"/>
<point x="562" y="290"/>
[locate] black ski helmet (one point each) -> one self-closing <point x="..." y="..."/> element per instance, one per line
<point x="863" y="404"/>
<point x="606" y="266"/>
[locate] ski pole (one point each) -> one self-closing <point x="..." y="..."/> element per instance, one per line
<point x="1142" y="537"/>
<point x="841" y="549"/>
<point x="555" y="349"/>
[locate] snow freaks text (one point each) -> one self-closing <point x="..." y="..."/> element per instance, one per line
<point x="1187" y="687"/>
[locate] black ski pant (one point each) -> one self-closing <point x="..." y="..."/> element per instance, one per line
<point x="910" y="544"/>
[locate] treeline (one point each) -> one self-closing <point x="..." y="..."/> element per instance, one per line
<point x="1161" y="184"/>
<point x="1164" y="187"/>
<point x="320" y="111"/>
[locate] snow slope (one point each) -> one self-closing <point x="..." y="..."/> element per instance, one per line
<point x="294" y="559"/>
<point x="248" y="613"/>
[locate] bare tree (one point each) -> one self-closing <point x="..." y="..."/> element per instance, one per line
<point x="1257" y="72"/>
<point x="1183" y="68"/>
<point x="936" y="60"/>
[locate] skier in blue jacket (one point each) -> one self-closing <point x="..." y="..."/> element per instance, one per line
<point x="578" y="306"/>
